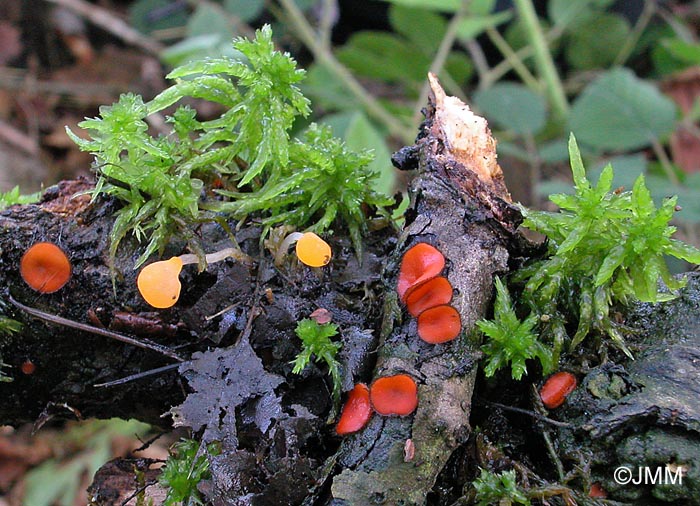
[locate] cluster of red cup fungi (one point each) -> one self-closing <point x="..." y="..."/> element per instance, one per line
<point x="389" y="395"/>
<point x="427" y="296"/>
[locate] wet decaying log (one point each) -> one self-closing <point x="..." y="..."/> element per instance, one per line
<point x="234" y="327"/>
<point x="461" y="206"/>
<point x="644" y="414"/>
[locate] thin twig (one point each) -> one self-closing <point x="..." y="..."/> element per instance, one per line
<point x="18" y="139"/>
<point x="111" y="23"/>
<point x="441" y="55"/>
<point x="58" y="320"/>
<point x="532" y="414"/>
<point x="139" y="375"/>
<point x="639" y="27"/>
<point x="512" y="57"/>
<point x="665" y="161"/>
<point x="295" y="18"/>
<point x="543" y="58"/>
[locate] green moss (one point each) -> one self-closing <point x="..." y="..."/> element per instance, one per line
<point x="168" y="184"/>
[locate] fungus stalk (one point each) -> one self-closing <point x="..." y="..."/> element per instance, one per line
<point x="159" y="282"/>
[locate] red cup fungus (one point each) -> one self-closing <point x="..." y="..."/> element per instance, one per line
<point x="434" y="292"/>
<point x="45" y="267"/>
<point x="597" y="490"/>
<point x="420" y="263"/>
<point x="394" y="395"/>
<point x="356" y="411"/>
<point x="439" y="324"/>
<point x="27" y="367"/>
<point x="556" y="388"/>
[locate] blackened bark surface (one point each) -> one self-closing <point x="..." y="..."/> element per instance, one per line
<point x="461" y="206"/>
<point x="69" y="362"/>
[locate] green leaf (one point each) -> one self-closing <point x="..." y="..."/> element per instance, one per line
<point x="361" y="134"/>
<point x="433" y="5"/>
<point x="472" y="26"/>
<point x="423" y="27"/>
<point x="246" y="10"/>
<point x="513" y="107"/>
<point x="565" y="13"/>
<point x="596" y="43"/>
<point x="148" y="16"/>
<point x="681" y="50"/>
<point x="619" y="111"/>
<point x="385" y="56"/>
<point x="206" y="20"/>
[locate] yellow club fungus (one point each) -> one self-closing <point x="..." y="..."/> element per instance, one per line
<point x="159" y="282"/>
<point x="311" y="250"/>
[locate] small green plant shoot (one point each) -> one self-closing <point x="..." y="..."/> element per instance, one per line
<point x="498" y="488"/>
<point x="239" y="163"/>
<point x="13" y="196"/>
<point x="182" y="472"/>
<point x="316" y="341"/>
<point x="511" y="340"/>
<point x="604" y="248"/>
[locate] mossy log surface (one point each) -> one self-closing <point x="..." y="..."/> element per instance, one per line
<point x="234" y="328"/>
<point x="460" y="205"/>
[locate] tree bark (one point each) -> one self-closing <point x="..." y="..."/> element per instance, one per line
<point x="460" y="205"/>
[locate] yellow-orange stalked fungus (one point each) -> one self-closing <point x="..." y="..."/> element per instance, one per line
<point x="159" y="282"/>
<point x="311" y="250"/>
<point x="45" y="267"/>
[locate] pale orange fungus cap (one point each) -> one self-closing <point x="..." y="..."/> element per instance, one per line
<point x="394" y="395"/>
<point x="434" y="292"/>
<point x="159" y="282"/>
<point x="356" y="411"/>
<point x="419" y="264"/>
<point x="45" y="267"/>
<point x="312" y="250"/>
<point x="439" y="324"/>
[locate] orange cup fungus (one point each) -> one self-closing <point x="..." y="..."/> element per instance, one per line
<point x="159" y="282"/>
<point x="394" y="395"/>
<point x="45" y="267"/>
<point x="356" y="411"/>
<point x="427" y="294"/>
<point x="420" y="263"/>
<point x="434" y="292"/>
<point x="554" y="391"/>
<point x="439" y="324"/>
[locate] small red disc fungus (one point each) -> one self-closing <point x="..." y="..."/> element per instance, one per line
<point x="434" y="292"/>
<point x="356" y="411"/>
<point x="439" y="324"/>
<point x="597" y="490"/>
<point x="556" y="388"/>
<point x="45" y="267"/>
<point x="28" y="367"/>
<point x="394" y="395"/>
<point x="420" y="263"/>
